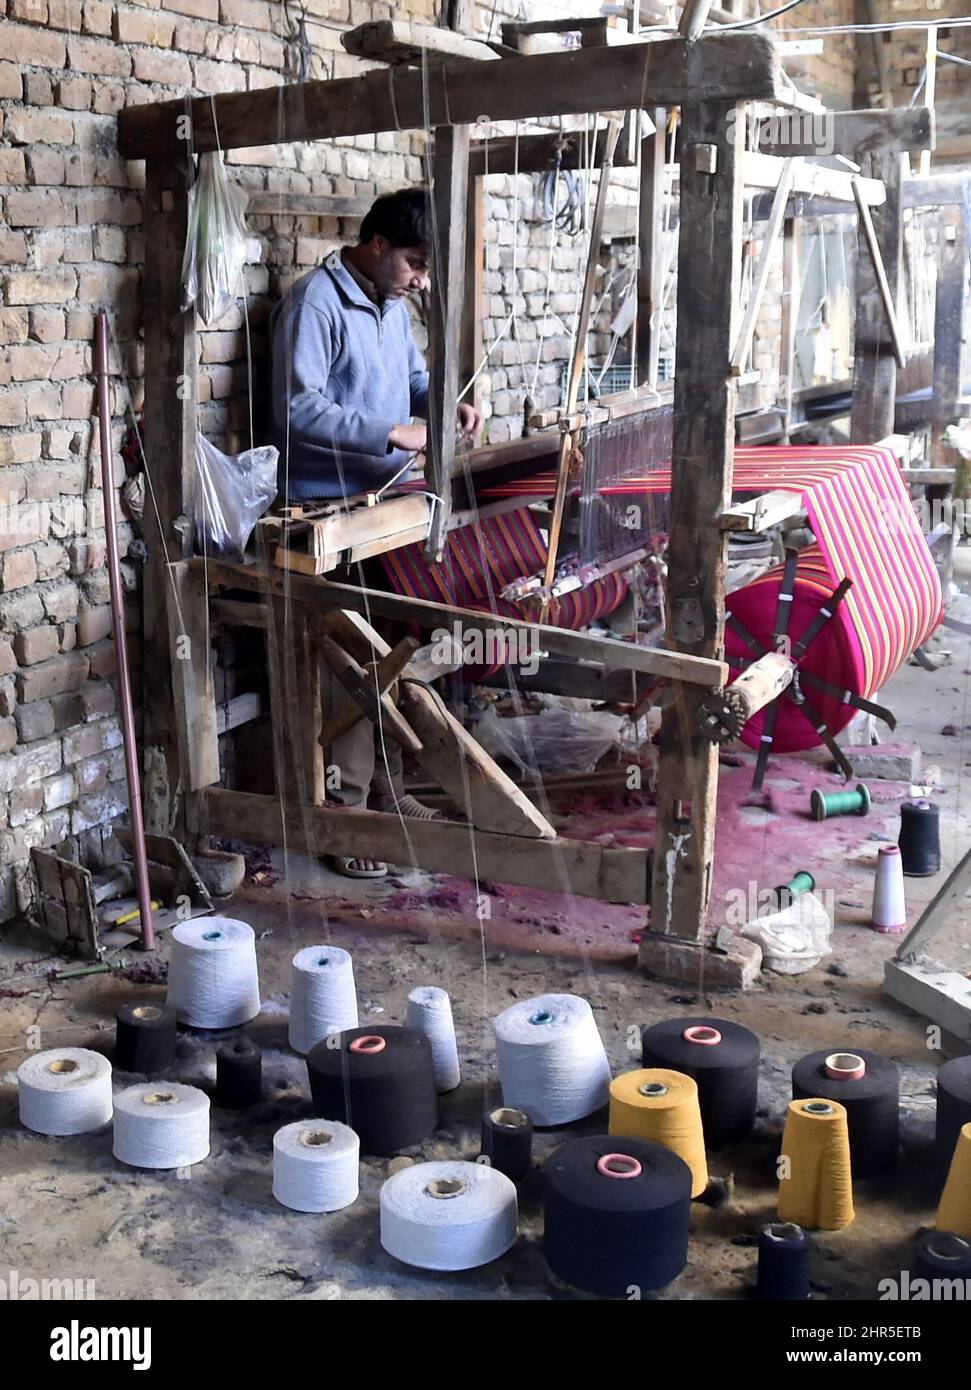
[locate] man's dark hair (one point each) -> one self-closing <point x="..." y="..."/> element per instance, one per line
<point x="401" y="217"/>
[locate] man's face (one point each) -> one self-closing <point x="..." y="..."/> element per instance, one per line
<point x="400" y="270"/>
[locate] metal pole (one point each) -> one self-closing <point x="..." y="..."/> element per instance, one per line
<point x="118" y="628"/>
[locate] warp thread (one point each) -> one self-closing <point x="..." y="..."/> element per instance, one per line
<point x="161" y="1125"/>
<point x="66" y="1090"/>
<point x="315" y="1165"/>
<point x="430" y="1012"/>
<point x="552" y="1062"/>
<point x="213" y="979"/>
<point x="662" y="1105"/>
<point x="323" y="997"/>
<point x="815" y="1185"/>
<point x="448" y="1215"/>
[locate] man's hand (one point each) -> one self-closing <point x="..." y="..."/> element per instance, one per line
<point x="470" y="421"/>
<point x="410" y="437"/>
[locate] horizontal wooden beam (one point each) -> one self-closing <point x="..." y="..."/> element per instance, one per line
<point x="666" y="73"/>
<point x="935" y="191"/>
<point x="852" y="134"/>
<point x="765" y="170"/>
<point x="558" y="641"/>
<point x="762" y="512"/>
<point x="592" y="31"/>
<point x="538" y="152"/>
<point x="399" y="41"/>
<point x="618" y="875"/>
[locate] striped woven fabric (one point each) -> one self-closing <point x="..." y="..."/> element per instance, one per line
<point x="867" y="531"/>
<point x="482" y="559"/>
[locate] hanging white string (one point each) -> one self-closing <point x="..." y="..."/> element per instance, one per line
<point x="448" y="1215"/>
<point x="316" y="1165"/>
<point x="161" y="1126"/>
<point x="213" y="980"/>
<point x="66" y="1090"/>
<point x="552" y="1062"/>
<point x="323" y="998"/>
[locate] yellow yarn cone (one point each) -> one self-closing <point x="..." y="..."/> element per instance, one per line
<point x="662" y="1105"/>
<point x="815" y="1183"/>
<point x="954" y="1212"/>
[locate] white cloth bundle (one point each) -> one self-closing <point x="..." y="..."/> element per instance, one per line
<point x="552" y="1062"/>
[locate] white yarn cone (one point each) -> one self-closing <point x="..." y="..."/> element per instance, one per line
<point x="213" y="979"/>
<point x="430" y="1012"/>
<point x="552" y="1062"/>
<point x="161" y="1125"/>
<point x="448" y="1215"/>
<point x="315" y="1165"/>
<point x="323" y="998"/>
<point x="889" y="905"/>
<point x="65" y="1091"/>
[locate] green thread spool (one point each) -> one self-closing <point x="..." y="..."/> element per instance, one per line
<point x="855" y="803"/>
<point x="802" y="882"/>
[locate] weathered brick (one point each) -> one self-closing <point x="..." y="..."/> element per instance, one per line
<point x="110" y="96"/>
<point x="104" y="661"/>
<point x="30" y="126"/>
<point x="85" y="555"/>
<point x="109" y="244"/>
<point x="144" y="26"/>
<point x="32" y="361"/>
<point x="59" y="791"/>
<point x="54" y="677"/>
<point x="67" y="710"/>
<point x="96" y="809"/>
<point x="8" y="662"/>
<point x="28" y="45"/>
<point x="52" y="561"/>
<point x="18" y="610"/>
<point x="14" y="324"/>
<point x="61" y="601"/>
<point x="67" y="636"/>
<point x="26" y="804"/>
<point x="78" y="402"/>
<point x="213" y="77"/>
<point x="38" y="89"/>
<point x="35" y="721"/>
<point x="42" y="287"/>
<point x="36" y="644"/>
<point x="100" y="59"/>
<point x="44" y="401"/>
<point x="11" y="82"/>
<point x="8" y="735"/>
<point x="104" y="205"/>
<point x="92" y="773"/>
<point x="19" y="570"/>
<point x="47" y="325"/>
<point x="27" y="766"/>
<point x="12" y="167"/>
<point x="13" y="408"/>
<point x="44" y="208"/>
<point x="105" y="282"/>
<point x="195" y="9"/>
<point x="172" y="69"/>
<point x="30" y="11"/>
<point x="66" y="14"/>
<point x="94" y="624"/>
<point x="74" y="93"/>
<point x="91" y="739"/>
<point x="97" y="700"/>
<point x="45" y="165"/>
<point x="8" y="695"/>
<point x="97" y="17"/>
<point x="80" y="324"/>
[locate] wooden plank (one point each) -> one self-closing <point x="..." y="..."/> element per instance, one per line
<point x="852" y="134"/>
<point x="456" y="93"/>
<point x="791" y="287"/>
<point x="702" y="457"/>
<point x="193" y="687"/>
<point x="240" y="710"/>
<point x="930" y="88"/>
<point x="579" y="358"/>
<point x="938" y="911"/>
<point x="400" y="41"/>
<point x="874" y="364"/>
<point x="932" y="990"/>
<point x="929" y="477"/>
<point x="650" y="218"/>
<point x="349" y="534"/>
<point x="950" y="308"/>
<point x="473" y="779"/>
<point x="886" y="295"/>
<point x="444" y="847"/>
<point x="769" y="509"/>
<point x="936" y="190"/>
<point x="670" y="665"/>
<point x="237" y="613"/>
<point x="369" y="694"/>
<point x="592" y="30"/>
<point x="450" y="183"/>
<point x="169" y="429"/>
<point x="472" y="347"/>
<point x="743" y="343"/>
<point x="811" y="180"/>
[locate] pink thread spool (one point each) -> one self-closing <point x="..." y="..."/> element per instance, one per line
<point x="889" y="907"/>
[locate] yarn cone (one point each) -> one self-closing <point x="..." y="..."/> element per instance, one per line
<point x="889" y="906"/>
<point x="815" y="1182"/>
<point x="954" y="1211"/>
<point x="654" y="1103"/>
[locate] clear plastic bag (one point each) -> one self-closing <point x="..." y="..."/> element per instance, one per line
<point x="216" y="242"/>
<point x="232" y="493"/>
<point x="795" y="939"/>
<point x="553" y="741"/>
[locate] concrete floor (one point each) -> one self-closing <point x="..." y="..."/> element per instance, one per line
<point x="68" y="1210"/>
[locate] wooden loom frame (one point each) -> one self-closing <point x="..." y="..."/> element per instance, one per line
<point x="709" y="78"/>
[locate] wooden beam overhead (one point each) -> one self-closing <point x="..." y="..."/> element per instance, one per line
<point x="848" y="133"/>
<point x="725" y="66"/>
<point x="398" y="41"/>
<point x="936" y="190"/>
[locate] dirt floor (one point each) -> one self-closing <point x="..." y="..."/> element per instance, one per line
<point x="69" y="1210"/>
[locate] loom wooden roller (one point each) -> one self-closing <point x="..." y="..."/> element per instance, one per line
<point x="726" y="712"/>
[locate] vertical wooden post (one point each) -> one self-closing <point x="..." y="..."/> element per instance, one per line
<point x="450" y="179"/>
<point x="472" y="339"/>
<point x="170" y="427"/>
<point x="874" y="364"/>
<point x="949" y="305"/>
<point x="709" y="275"/>
<point x="791" y="271"/>
<point x="650" y="220"/>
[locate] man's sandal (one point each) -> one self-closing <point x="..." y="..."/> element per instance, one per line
<point x="342" y="865"/>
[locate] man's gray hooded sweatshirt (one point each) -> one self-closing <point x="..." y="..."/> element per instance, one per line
<point x="344" y="373"/>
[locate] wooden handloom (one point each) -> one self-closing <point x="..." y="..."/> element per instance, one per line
<point x="709" y="78"/>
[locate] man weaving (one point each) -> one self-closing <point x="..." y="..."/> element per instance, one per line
<point x="347" y="380"/>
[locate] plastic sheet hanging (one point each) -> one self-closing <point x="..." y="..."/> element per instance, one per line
<point x="232" y="493"/>
<point x="216" y="242"/>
